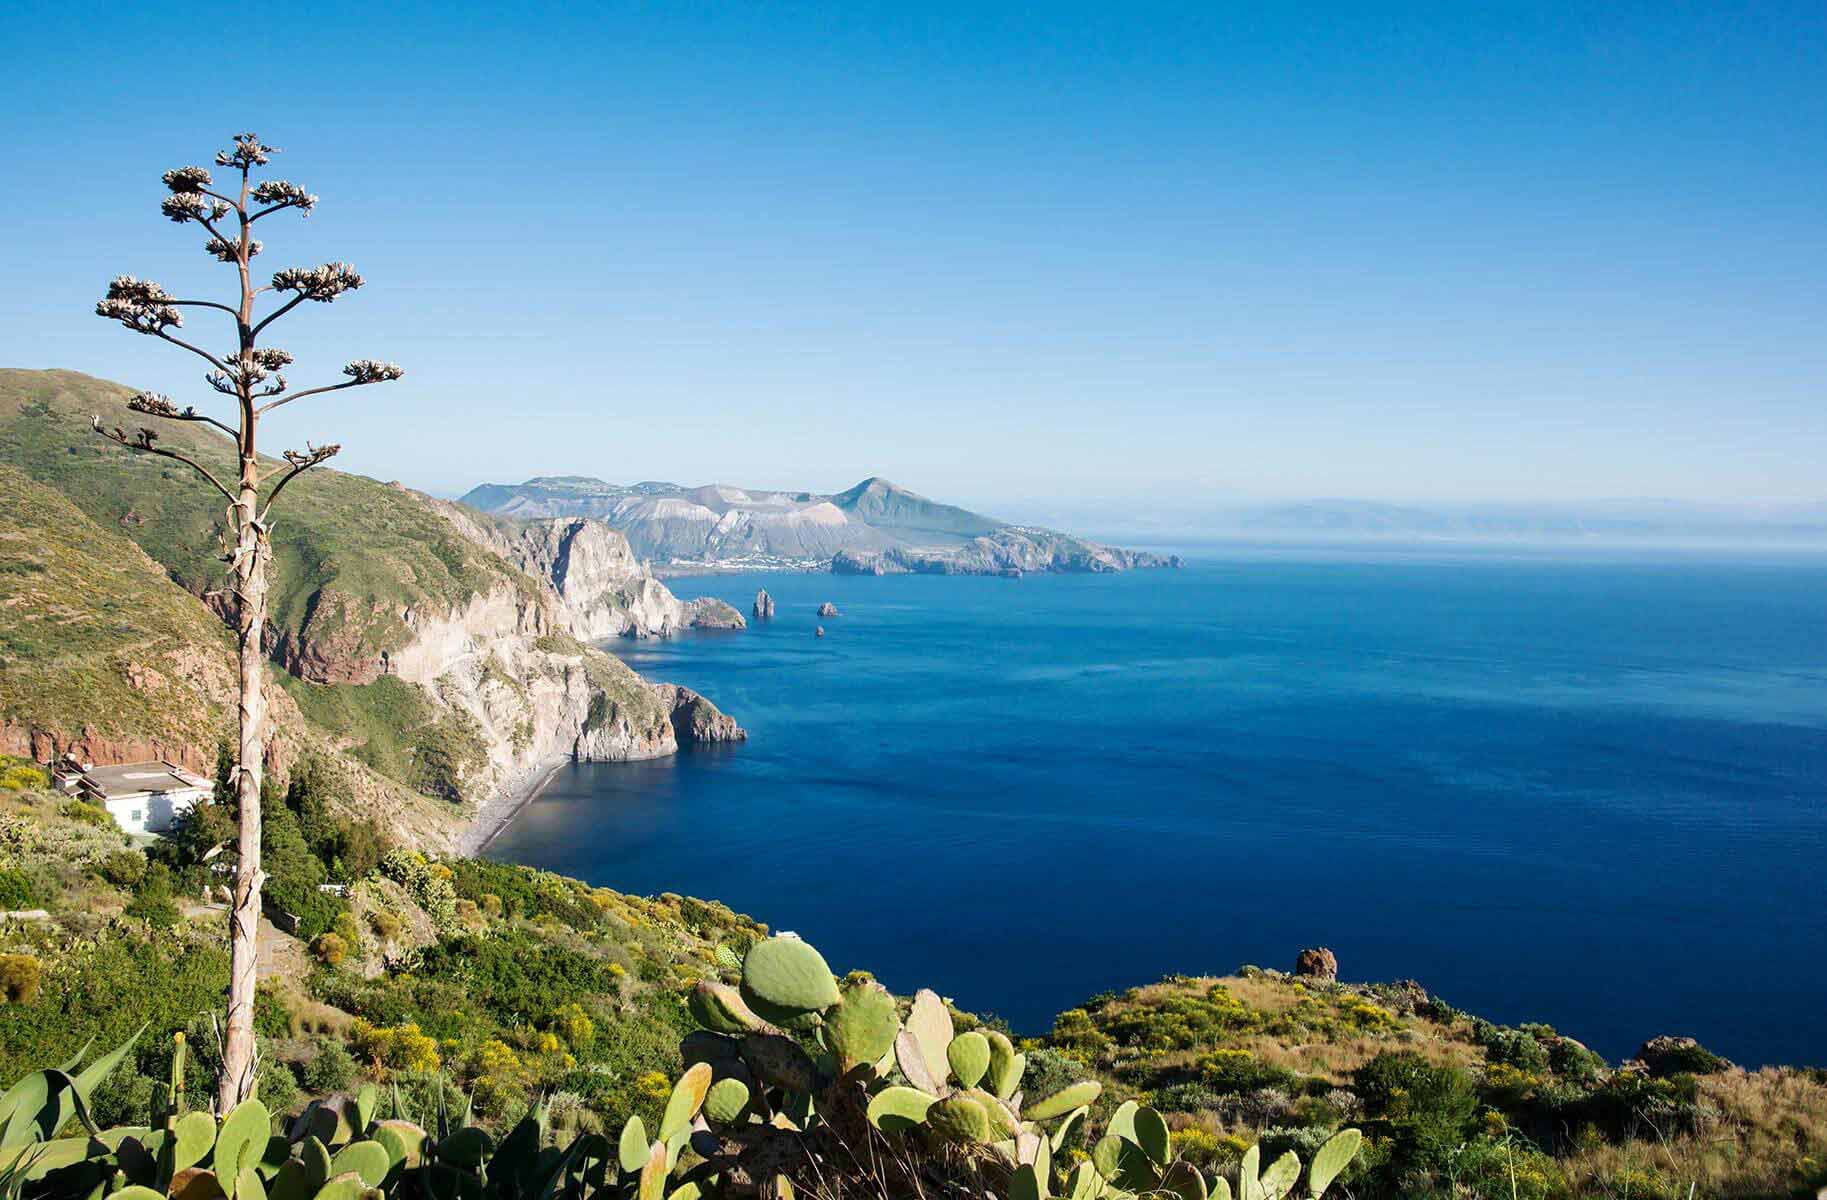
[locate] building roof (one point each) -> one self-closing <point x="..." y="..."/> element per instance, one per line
<point x="127" y="779"/>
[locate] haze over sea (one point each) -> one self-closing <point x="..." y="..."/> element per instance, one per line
<point x="1563" y="787"/>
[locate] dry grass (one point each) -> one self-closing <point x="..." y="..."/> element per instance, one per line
<point x="1769" y="1138"/>
<point x="1334" y="1061"/>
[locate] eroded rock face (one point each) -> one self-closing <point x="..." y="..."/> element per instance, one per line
<point x="1317" y="963"/>
<point x="89" y="745"/>
<point x="603" y="589"/>
<point x="711" y="613"/>
<point x="764" y="606"/>
<point x="515" y="661"/>
<point x="696" y="721"/>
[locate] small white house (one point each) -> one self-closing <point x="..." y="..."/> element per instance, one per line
<point x="142" y="797"/>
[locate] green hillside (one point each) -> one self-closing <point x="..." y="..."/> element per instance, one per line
<point x="349" y="554"/>
<point x="95" y="635"/>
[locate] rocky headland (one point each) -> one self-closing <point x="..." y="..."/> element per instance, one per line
<point x="440" y="656"/>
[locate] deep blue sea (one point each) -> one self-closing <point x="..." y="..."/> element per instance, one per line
<point x="1581" y="790"/>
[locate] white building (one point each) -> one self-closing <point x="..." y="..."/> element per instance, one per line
<point x="142" y="797"/>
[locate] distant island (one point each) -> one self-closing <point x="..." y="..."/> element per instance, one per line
<point x="874" y="528"/>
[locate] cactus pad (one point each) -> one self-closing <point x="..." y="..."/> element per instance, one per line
<point x="898" y="1108"/>
<point x="959" y="1119"/>
<point x="862" y="1028"/>
<point x="786" y="973"/>
<point x="779" y="1062"/>
<point x="931" y="1026"/>
<point x="1073" y="1095"/>
<point x="969" y="1058"/>
<point x="1005" y="1065"/>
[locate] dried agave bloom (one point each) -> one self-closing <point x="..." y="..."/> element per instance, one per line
<point x="281" y="194"/>
<point x="247" y="152"/>
<point x="194" y="206"/>
<point x="223" y="250"/>
<point x="270" y="357"/>
<point x="322" y="284"/>
<point x="154" y="404"/>
<point x="142" y="291"/>
<point x="367" y="370"/>
<point x="187" y="179"/>
<point x="139" y="315"/>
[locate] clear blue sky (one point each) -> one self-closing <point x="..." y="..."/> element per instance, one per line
<point x="997" y="253"/>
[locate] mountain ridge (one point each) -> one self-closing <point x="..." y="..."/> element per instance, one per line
<point x="873" y="527"/>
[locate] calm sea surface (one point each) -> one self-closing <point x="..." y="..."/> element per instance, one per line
<point x="1591" y="793"/>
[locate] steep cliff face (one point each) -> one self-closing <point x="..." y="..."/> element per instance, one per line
<point x="402" y="629"/>
<point x="603" y="589"/>
<point x="106" y="658"/>
<point x="513" y="658"/>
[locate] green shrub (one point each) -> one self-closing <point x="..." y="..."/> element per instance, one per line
<point x="520" y="892"/>
<point x="430" y="889"/>
<point x="105" y="990"/>
<point x="1426" y="1110"/>
<point x="330" y="1069"/>
<point x="15" y="889"/>
<point x="84" y="813"/>
<point x="1228" y="1072"/>
<point x="152" y="901"/>
<point x="124" y="869"/>
<point x="1572" y="1061"/>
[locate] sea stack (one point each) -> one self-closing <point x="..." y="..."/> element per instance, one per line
<point x="764" y="606"/>
<point x="1317" y="962"/>
<point x="827" y="609"/>
<point x="821" y="631"/>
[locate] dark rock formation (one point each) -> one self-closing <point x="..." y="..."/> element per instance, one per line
<point x="1664" y="1056"/>
<point x="764" y="606"/>
<point x="711" y="613"/>
<point x="1317" y="963"/>
<point x="827" y="609"/>
<point x="821" y="631"/>
<point x="695" y="720"/>
<point x="848" y="562"/>
<point x="1009" y="551"/>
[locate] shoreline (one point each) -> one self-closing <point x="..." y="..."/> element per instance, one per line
<point x="498" y="811"/>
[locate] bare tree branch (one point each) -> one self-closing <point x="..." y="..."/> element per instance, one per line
<point x="281" y="311"/>
<point x="155" y="405"/>
<point x="302" y="461"/>
<point x="144" y="444"/>
<point x="316" y="391"/>
<point x="213" y="360"/>
<point x="361" y="371"/>
<point x="203" y="304"/>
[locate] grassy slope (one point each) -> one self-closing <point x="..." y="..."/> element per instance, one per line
<point x="500" y="988"/>
<point x="349" y="553"/>
<point x="1264" y="1055"/>
<point x="94" y="635"/>
<point x="494" y="994"/>
<point x="86" y="613"/>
